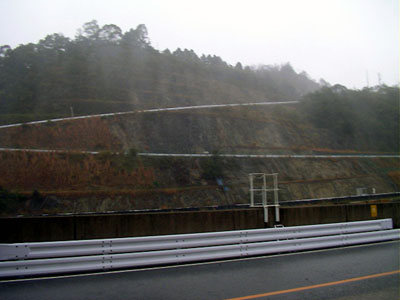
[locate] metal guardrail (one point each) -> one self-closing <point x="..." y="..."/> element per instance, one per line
<point x="96" y="255"/>
<point x="120" y="245"/>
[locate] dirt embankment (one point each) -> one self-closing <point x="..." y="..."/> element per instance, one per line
<point x="179" y="182"/>
<point x="83" y="182"/>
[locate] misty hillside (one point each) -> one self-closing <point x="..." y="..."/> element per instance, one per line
<point x="105" y="70"/>
<point x="329" y="120"/>
<point x="119" y="179"/>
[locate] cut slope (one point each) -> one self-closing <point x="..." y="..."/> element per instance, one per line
<point x="101" y="182"/>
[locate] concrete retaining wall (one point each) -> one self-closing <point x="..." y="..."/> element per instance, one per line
<point x="35" y="229"/>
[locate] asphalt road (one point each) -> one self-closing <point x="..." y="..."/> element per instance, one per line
<point x="362" y="272"/>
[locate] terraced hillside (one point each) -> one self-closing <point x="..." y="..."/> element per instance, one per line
<point x="73" y="182"/>
<point x="105" y="70"/>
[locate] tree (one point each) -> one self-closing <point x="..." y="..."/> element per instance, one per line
<point x="89" y="31"/>
<point x="238" y="66"/>
<point x="110" y="33"/>
<point x="55" y="42"/>
<point x="143" y="35"/>
<point x="137" y="38"/>
<point x="4" y="50"/>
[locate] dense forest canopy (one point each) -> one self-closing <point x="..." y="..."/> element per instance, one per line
<point x="364" y="119"/>
<point x="104" y="69"/>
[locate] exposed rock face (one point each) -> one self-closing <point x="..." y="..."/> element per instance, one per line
<point x="324" y="178"/>
<point x="186" y="182"/>
<point x="245" y="129"/>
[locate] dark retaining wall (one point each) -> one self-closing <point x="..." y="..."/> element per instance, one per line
<point x="56" y="228"/>
<point x="339" y="213"/>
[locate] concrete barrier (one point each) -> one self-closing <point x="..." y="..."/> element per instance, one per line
<point x="58" y="228"/>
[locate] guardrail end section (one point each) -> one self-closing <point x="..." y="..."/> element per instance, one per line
<point x="387" y="224"/>
<point x="12" y="252"/>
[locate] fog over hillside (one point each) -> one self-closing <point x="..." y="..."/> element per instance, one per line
<point x="104" y="69"/>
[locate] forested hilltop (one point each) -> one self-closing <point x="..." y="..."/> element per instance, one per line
<point x="105" y="70"/>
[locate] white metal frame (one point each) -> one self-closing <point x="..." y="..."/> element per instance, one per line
<point x="264" y="196"/>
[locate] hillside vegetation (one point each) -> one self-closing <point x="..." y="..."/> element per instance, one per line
<point x="104" y="70"/>
<point x="365" y="121"/>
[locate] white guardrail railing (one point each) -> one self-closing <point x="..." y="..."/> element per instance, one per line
<point x="34" y="259"/>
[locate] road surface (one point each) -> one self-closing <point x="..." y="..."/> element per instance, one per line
<point x="361" y="272"/>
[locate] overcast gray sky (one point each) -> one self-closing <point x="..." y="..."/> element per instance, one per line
<point x="338" y="40"/>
